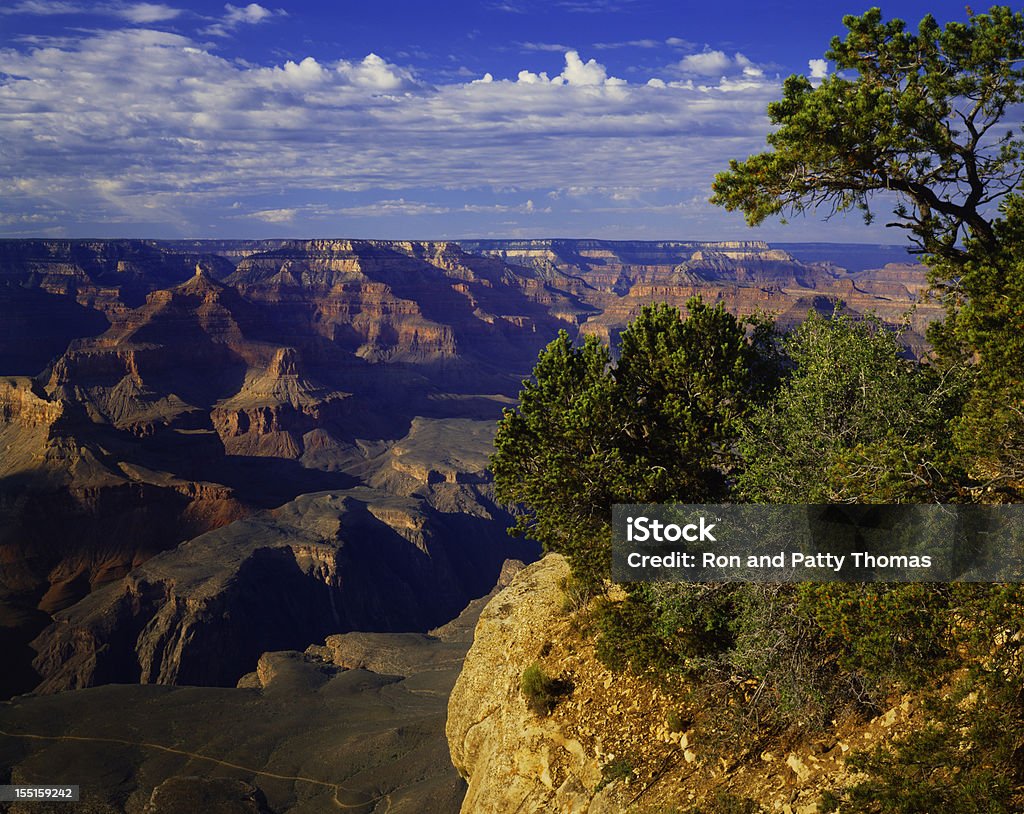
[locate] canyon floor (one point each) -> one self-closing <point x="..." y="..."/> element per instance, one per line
<point x="356" y="725"/>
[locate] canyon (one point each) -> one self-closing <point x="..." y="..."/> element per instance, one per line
<point x="221" y="456"/>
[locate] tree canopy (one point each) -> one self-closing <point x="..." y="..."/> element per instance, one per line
<point x="985" y="328"/>
<point x="919" y="115"/>
<point x="655" y="426"/>
<point x="855" y="422"/>
<point x="931" y="120"/>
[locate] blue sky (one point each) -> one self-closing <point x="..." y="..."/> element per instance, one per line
<point x="501" y="118"/>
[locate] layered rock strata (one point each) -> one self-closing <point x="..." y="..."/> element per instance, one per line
<point x="183" y="385"/>
<point x="323" y="564"/>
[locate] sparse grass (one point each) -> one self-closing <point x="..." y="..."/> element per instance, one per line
<point x="575" y="595"/>
<point x="541" y="691"/>
<point x="618" y="769"/>
<point x="676" y="721"/>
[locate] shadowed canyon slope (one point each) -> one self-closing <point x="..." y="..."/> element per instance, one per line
<point x="354" y="723"/>
<point x="159" y="391"/>
<point x="218" y="450"/>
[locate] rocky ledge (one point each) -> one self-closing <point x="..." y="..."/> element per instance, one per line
<point x="511" y="759"/>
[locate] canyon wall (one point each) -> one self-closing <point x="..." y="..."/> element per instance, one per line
<point x="157" y="392"/>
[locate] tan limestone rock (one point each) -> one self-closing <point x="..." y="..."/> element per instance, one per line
<point x="512" y="759"/>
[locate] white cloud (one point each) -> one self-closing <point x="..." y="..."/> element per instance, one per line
<point x="372" y="73"/>
<point x="398" y="206"/>
<point x="576" y="73"/>
<point x="375" y="73"/>
<point x="709" y="63"/>
<point x="388" y="207"/>
<point x="818" y="68"/>
<point x="604" y="46"/>
<point x="718" y="63"/>
<point x="527" y="208"/>
<point x="530" y="78"/>
<point x="544" y="46"/>
<point x="147" y="126"/>
<point x="147" y="12"/>
<point x="43" y="8"/>
<point x="305" y="74"/>
<point x="235" y="16"/>
<point x="276" y="215"/>
<point x="252" y="13"/>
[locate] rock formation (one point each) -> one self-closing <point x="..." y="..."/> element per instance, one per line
<point x="183" y="385"/>
<point x="615" y="278"/>
<point x="323" y="564"/>
<point x="252" y="462"/>
<point x="361" y="559"/>
<point x="511" y="759"/>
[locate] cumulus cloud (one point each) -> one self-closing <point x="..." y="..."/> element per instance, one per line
<point x="372" y="73"/>
<point x="531" y="78"/>
<point x="718" y="63"/>
<point x="576" y="72"/>
<point x="235" y="16"/>
<point x="709" y="63"/>
<point x="375" y="73"/>
<point x="140" y="125"/>
<point x="818" y="68"/>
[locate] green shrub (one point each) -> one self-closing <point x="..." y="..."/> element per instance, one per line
<point x="541" y="691"/>
<point x="891" y="634"/>
<point x="618" y="769"/>
<point x="625" y="637"/>
<point x="782" y="649"/>
<point x="664" y="627"/>
<point x="969" y="758"/>
<point x="676" y="721"/>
